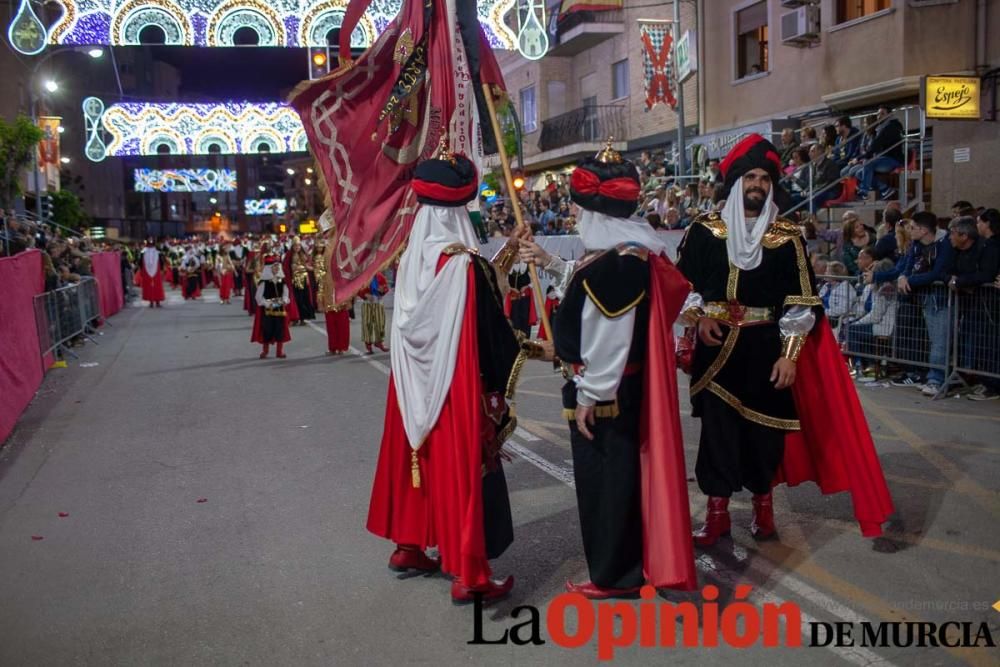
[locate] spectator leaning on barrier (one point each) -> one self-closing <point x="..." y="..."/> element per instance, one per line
<point x="877" y="321"/>
<point x="855" y="237"/>
<point x="929" y="261"/>
<point x="886" y="246"/>
<point x="977" y="262"/>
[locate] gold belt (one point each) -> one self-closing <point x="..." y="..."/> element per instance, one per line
<point x="737" y="315"/>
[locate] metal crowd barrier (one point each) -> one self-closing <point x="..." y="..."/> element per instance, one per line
<point x="65" y="314"/>
<point x="950" y="336"/>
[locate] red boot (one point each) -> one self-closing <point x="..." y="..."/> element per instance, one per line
<point x="717" y="522"/>
<point x="263" y="355"/>
<point x="592" y="591"/>
<point x="368" y="348"/>
<point x="406" y="558"/>
<point x="279" y="353"/>
<point x="762" y="525"/>
<point x="494" y="590"/>
<point x="381" y="345"/>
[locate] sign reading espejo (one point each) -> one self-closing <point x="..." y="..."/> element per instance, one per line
<point x="952" y="97"/>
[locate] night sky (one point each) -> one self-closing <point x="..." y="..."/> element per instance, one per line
<point x="255" y="74"/>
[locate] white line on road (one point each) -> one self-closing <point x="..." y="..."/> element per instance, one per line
<point x="705" y="563"/>
<point x="527" y="436"/>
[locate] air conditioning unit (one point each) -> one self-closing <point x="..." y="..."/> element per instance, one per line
<point x="800" y="27"/>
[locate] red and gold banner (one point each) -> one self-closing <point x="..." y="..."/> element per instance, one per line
<point x="48" y="151"/>
<point x="659" y="79"/>
<point x="370" y="122"/>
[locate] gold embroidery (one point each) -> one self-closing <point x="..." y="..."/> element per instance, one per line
<point x="505" y="258"/>
<point x="732" y="283"/>
<point x="720" y="361"/>
<point x="753" y="415"/>
<point x="515" y="372"/>
<point x="609" y="411"/>
<point x="507" y="430"/>
<point x="458" y="248"/>
<point x="803" y="301"/>
<point x="605" y="311"/>
<point x="781" y="231"/>
<point x="631" y="250"/>
<point x="791" y="347"/>
<point x="714" y="223"/>
<point x="800" y="259"/>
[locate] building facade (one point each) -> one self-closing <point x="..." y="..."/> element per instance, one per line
<point x="766" y="64"/>
<point x="589" y="88"/>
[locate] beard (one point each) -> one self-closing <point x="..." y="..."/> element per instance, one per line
<point x="753" y="204"/>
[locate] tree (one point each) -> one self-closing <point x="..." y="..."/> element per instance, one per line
<point x="18" y="140"/>
<point x="67" y="210"/>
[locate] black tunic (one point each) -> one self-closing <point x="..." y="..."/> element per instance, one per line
<point x="520" y="302"/>
<point x="606" y="469"/>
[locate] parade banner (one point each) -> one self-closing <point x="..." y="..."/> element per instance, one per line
<point x="570" y="6"/>
<point x="658" y="77"/>
<point x="372" y="120"/>
<point x="48" y="150"/>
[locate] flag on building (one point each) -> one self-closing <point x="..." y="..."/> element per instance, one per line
<point x="370" y="121"/>
<point x="659" y="79"/>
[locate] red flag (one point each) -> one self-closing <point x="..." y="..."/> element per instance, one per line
<point x="370" y="122"/>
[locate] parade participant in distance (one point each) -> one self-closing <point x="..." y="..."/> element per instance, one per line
<point x="191" y="275"/>
<point x="270" y="324"/>
<point x="439" y="479"/>
<point x="768" y="381"/>
<point x="151" y="275"/>
<point x="226" y="272"/>
<point x="621" y="399"/>
<point x="373" y="313"/>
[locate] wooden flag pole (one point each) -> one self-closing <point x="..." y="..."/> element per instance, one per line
<point x="516" y="205"/>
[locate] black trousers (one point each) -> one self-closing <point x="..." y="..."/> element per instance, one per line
<point x="608" y="487"/>
<point x="735" y="452"/>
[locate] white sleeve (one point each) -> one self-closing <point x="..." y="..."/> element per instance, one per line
<point x="260" y="293"/>
<point x="604" y="347"/>
<point x="561" y="271"/>
<point x="285" y="299"/>
<point x="797" y="321"/>
<point x="694" y="305"/>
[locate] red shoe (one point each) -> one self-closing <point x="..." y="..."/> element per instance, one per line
<point x="403" y="560"/>
<point x="263" y="355"/>
<point x="368" y="347"/>
<point x="717" y="522"/>
<point x="382" y="347"/>
<point x="592" y="591"/>
<point x="281" y="355"/>
<point x="762" y="526"/>
<point x="494" y="590"/>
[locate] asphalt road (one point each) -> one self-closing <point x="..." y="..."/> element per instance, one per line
<point x="215" y="503"/>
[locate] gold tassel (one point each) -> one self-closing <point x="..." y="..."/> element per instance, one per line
<point x="414" y="469"/>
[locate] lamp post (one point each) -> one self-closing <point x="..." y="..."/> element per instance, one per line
<point x="50" y="86"/>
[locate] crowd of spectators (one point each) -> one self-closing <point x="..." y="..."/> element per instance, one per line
<point x="886" y="291"/>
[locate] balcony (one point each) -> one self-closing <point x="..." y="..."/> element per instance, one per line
<point x="577" y="133"/>
<point x="579" y="31"/>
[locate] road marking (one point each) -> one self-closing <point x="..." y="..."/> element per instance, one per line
<point x="382" y="368"/>
<point x="524" y="435"/>
<point x="942" y="413"/>
<point x="988" y="500"/>
<point x="553" y="470"/>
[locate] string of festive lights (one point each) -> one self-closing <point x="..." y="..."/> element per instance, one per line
<point x="280" y="23"/>
<point x="185" y="180"/>
<point x="136" y="128"/>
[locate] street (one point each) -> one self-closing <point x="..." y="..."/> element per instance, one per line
<point x="215" y="510"/>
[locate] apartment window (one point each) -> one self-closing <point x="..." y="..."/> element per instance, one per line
<point x="529" y="110"/>
<point x="848" y="10"/>
<point x="751" y="40"/>
<point x="619" y="79"/>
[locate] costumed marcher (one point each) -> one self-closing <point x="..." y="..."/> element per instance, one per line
<point x="175" y="257"/>
<point x="252" y="268"/>
<point x="373" y="313"/>
<point x="151" y="275"/>
<point x="271" y="322"/>
<point x="336" y="316"/>
<point x="297" y="267"/>
<point x="519" y="304"/>
<point x="552" y="302"/>
<point x="768" y="380"/>
<point x="237" y="253"/>
<point x="191" y="275"/>
<point x="621" y="400"/>
<point x="455" y="360"/>
<point x="225" y="271"/>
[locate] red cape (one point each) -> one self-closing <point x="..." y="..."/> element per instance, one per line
<point x="257" y="336"/>
<point x="447" y="509"/>
<point x="550" y="306"/>
<point x="152" y="285"/>
<point x="668" y="552"/>
<point x="834" y="447"/>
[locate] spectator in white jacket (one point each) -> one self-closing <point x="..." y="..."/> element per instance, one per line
<point x="880" y="319"/>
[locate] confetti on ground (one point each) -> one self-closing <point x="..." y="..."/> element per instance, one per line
<point x="203" y="500"/>
<point x="36" y="538"/>
<point x="89" y="364"/>
<point x="63" y="515"/>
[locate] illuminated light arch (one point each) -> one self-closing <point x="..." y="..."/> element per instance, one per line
<point x="104" y="22"/>
<point x="327" y="15"/>
<point x="135" y="15"/>
<point x="203" y="142"/>
<point x="190" y="129"/>
<point x="231" y="15"/>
